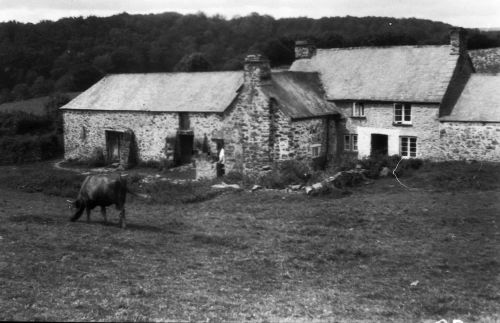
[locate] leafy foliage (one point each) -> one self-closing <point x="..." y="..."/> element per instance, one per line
<point x="72" y="53"/>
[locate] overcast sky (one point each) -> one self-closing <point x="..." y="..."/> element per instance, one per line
<point x="465" y="13"/>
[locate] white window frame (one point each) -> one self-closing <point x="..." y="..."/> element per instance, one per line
<point x="407" y="149"/>
<point x="351" y="142"/>
<point x="405" y="116"/>
<point x="315" y="150"/>
<point x="358" y="109"/>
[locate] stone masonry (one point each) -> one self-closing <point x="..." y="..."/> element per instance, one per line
<point x="470" y="141"/>
<point x="379" y="118"/>
<point x="85" y="130"/>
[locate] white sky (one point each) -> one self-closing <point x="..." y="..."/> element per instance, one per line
<point x="464" y="13"/>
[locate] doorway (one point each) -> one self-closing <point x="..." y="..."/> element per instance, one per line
<point x="185" y="148"/>
<point x="379" y="145"/>
<point x="113" y="142"/>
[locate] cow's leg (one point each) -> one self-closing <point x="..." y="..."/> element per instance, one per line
<point x="77" y="214"/>
<point x="122" y="218"/>
<point x="103" y="211"/>
<point x="88" y="214"/>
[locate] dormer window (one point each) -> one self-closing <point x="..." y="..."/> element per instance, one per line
<point x="402" y="113"/>
<point x="358" y="109"/>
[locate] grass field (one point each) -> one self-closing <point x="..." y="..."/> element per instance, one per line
<point x="382" y="253"/>
<point x="34" y="106"/>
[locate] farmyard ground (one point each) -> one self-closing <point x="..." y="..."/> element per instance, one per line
<point x="382" y="253"/>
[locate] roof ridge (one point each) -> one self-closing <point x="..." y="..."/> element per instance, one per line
<point x="380" y="47"/>
<point x="171" y="73"/>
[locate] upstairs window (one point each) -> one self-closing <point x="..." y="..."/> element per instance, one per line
<point x="351" y="142"/>
<point x="408" y="147"/>
<point x="358" y="109"/>
<point x="402" y="113"/>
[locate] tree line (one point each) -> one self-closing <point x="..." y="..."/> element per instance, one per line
<point x="73" y="53"/>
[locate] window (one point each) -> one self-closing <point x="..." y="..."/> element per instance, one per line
<point x="358" y="109"/>
<point x="351" y="142"/>
<point x="402" y="113"/>
<point x="408" y="147"/>
<point x="315" y="150"/>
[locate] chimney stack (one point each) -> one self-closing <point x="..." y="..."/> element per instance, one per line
<point x="256" y="68"/>
<point x="304" y="49"/>
<point x="458" y="41"/>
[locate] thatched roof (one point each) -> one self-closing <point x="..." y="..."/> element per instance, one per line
<point x="300" y="94"/>
<point x="161" y="92"/>
<point x="479" y="101"/>
<point x="399" y="73"/>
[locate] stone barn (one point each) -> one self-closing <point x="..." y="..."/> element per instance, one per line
<point x="149" y="117"/>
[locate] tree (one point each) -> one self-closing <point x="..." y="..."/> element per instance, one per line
<point x="21" y="91"/>
<point x="195" y="62"/>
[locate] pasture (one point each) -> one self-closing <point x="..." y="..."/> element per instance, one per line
<point x="382" y="253"/>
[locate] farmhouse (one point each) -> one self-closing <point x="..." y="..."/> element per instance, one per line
<point x="332" y="104"/>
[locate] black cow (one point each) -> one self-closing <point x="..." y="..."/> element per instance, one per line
<point x="102" y="190"/>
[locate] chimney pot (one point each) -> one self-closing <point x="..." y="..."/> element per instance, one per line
<point x="304" y="49"/>
<point x="256" y="68"/>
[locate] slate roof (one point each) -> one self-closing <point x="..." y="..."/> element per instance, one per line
<point x="480" y="100"/>
<point x="161" y="92"/>
<point x="300" y="94"/>
<point x="398" y="73"/>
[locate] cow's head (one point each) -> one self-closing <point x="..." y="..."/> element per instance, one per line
<point x="73" y="204"/>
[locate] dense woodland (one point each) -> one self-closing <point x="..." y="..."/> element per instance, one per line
<point x="73" y="53"/>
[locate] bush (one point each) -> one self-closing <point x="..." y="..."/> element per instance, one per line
<point x="375" y="164"/>
<point x="284" y="174"/>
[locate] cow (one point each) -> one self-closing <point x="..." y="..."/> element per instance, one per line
<point x="102" y="190"/>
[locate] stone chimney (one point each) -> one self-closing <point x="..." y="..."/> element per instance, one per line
<point x="256" y="68"/>
<point x="304" y="49"/>
<point x="458" y="41"/>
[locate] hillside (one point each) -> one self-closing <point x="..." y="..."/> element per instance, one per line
<point x="73" y="53"/>
<point x="36" y="106"/>
<point x="486" y="60"/>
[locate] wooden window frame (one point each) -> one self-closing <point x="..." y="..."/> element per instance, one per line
<point x="402" y="114"/>
<point x="408" y="146"/>
<point x="351" y="142"/>
<point x="358" y="110"/>
<point x="315" y="148"/>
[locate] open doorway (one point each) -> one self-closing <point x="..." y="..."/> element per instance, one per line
<point x="379" y="145"/>
<point x="185" y="141"/>
<point x="113" y="143"/>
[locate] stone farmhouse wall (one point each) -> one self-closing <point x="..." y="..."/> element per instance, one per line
<point x="246" y="130"/>
<point x="306" y="133"/>
<point x="470" y="141"/>
<point x="379" y="118"/>
<point x="86" y="130"/>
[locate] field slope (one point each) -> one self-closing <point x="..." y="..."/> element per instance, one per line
<point x="381" y="254"/>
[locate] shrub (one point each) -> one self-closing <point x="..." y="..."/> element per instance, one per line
<point x="284" y="174"/>
<point x="375" y="164"/>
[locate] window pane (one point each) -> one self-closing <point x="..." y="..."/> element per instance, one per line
<point x="347" y="142"/>
<point x="398" y="112"/>
<point x="407" y="112"/>
<point x="404" y="146"/>
<point x="355" y="142"/>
